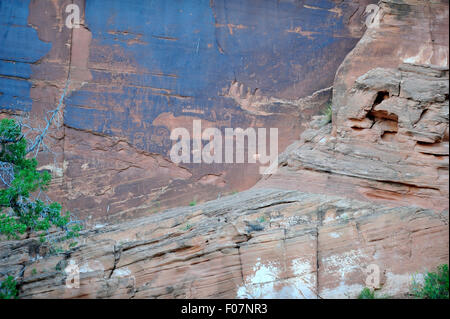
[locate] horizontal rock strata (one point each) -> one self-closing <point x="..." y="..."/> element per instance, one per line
<point x="259" y="243"/>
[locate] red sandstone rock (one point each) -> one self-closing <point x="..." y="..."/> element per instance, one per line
<point x="369" y="189"/>
<point x="255" y="244"/>
<point x="272" y="93"/>
<point x="391" y="149"/>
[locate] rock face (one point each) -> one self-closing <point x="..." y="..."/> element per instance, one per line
<point x="256" y="244"/>
<point x="365" y="193"/>
<point x="389" y="136"/>
<point x="404" y="31"/>
<point x="391" y="143"/>
<point x="137" y="71"/>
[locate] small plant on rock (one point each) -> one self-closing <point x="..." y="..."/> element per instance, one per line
<point x="366" y="293"/>
<point x="327" y="113"/>
<point x="8" y="288"/>
<point x="262" y="219"/>
<point x="187" y="227"/>
<point x="435" y="286"/>
<point x="193" y="203"/>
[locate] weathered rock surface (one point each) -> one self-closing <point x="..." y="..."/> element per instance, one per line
<point x="369" y="189"/>
<point x="391" y="144"/>
<point x="389" y="138"/>
<point x="259" y="243"/>
<point x="137" y="71"/>
<point x="406" y="31"/>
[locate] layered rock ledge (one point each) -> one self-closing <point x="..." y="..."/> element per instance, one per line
<point x="259" y="243"/>
<point x="391" y="143"/>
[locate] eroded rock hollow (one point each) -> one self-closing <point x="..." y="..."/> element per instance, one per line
<point x="369" y="188"/>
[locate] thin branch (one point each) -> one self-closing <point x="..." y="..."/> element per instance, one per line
<point x="38" y="140"/>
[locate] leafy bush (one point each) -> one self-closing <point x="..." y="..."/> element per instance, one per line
<point x="20" y="210"/>
<point x="8" y="288"/>
<point x="366" y="293"/>
<point x="435" y="286"/>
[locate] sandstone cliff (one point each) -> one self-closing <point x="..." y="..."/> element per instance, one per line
<point x="138" y="71"/>
<point x="371" y="188"/>
<point x="389" y="140"/>
<point x="259" y="243"/>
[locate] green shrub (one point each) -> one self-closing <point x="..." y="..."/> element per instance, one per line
<point x="8" y="288"/>
<point x="20" y="210"/>
<point x="366" y="293"/>
<point x="187" y="227"/>
<point x="262" y="219"/>
<point x="435" y="285"/>
<point x="193" y="203"/>
<point x="327" y="113"/>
